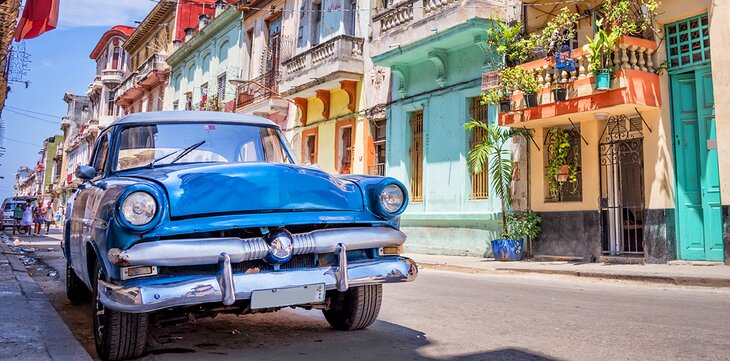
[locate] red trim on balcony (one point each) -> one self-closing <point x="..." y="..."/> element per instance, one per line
<point x="641" y="88"/>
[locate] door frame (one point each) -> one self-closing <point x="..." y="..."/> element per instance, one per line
<point x="671" y="74"/>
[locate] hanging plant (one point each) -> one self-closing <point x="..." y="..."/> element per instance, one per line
<point x="561" y="167"/>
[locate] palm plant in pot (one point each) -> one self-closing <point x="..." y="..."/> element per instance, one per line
<point x="599" y="49"/>
<point x="492" y="152"/>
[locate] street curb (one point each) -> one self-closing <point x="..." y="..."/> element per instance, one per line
<point x="60" y="342"/>
<point x="672" y="280"/>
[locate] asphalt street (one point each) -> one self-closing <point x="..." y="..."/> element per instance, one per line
<point x="451" y="316"/>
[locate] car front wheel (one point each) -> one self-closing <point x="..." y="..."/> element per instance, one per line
<point x="117" y="335"/>
<point x="354" y="309"/>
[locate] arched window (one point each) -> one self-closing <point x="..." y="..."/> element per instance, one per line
<point x="205" y="66"/>
<point x="223" y="53"/>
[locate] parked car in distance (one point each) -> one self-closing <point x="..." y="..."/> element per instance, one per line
<point x="8" y="208"/>
<point x="192" y="214"/>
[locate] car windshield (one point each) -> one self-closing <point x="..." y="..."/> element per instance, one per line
<point x="164" y="144"/>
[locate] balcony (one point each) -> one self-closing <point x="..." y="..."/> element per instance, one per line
<point x="153" y="72"/>
<point x="95" y="86"/>
<point x="340" y="58"/>
<point x="634" y="86"/>
<point x="111" y="77"/>
<point x="404" y="22"/>
<point x="260" y="96"/>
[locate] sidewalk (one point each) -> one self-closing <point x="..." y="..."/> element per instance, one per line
<point x="30" y="328"/>
<point x="677" y="274"/>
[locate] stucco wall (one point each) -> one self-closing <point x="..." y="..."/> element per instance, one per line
<point x="226" y="41"/>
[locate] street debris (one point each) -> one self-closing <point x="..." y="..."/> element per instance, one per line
<point x="28" y="261"/>
<point x="236" y="332"/>
<point x="52" y="274"/>
<point x="50" y="249"/>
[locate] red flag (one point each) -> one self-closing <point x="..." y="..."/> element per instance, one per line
<point x="38" y="17"/>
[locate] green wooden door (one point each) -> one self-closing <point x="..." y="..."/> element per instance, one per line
<point x="699" y="214"/>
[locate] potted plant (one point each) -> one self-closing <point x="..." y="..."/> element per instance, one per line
<point x="560" y="168"/>
<point x="521" y="225"/>
<point x="495" y="97"/>
<point x="526" y="83"/>
<point x="560" y="93"/>
<point x="508" y="43"/>
<point x="598" y="49"/>
<point x="492" y="150"/>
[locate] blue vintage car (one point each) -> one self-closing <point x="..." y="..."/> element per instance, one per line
<point x="191" y="214"/>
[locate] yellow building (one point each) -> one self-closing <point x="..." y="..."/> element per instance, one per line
<point x="323" y="77"/>
<point x="649" y="186"/>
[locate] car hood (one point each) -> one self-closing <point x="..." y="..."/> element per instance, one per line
<point x="199" y="190"/>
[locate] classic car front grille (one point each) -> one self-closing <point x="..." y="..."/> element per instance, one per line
<point x="298" y="261"/>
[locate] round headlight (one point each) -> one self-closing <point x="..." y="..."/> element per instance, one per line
<point x="391" y="198"/>
<point x="281" y="246"/>
<point x="139" y="208"/>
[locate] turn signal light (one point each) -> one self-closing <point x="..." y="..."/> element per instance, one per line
<point x="390" y="251"/>
<point x="138" y="271"/>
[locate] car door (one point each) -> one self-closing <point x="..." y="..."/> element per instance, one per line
<point x="85" y="206"/>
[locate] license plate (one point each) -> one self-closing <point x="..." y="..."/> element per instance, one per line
<point x="278" y="297"/>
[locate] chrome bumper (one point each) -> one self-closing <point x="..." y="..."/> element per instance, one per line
<point x="227" y="287"/>
<point x="201" y="251"/>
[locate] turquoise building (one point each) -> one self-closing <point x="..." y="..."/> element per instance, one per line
<point x="435" y="88"/>
<point x="203" y="63"/>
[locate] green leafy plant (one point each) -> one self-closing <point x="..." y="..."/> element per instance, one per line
<point x="523" y="224"/>
<point x="599" y="48"/>
<point x="517" y="78"/>
<point x="492" y="97"/>
<point x="559" y="160"/>
<point x="558" y="31"/>
<point x="212" y="104"/>
<point x="508" y="43"/>
<point x="631" y="17"/>
<point x="491" y="151"/>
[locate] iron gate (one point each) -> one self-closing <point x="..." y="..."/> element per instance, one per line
<point x="622" y="186"/>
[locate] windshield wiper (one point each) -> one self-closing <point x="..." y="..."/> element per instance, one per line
<point x="184" y="152"/>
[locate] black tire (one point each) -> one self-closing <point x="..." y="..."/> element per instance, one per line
<point x="76" y="290"/>
<point x="117" y="335"/>
<point x="354" y="309"/>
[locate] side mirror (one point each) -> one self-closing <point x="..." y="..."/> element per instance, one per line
<point x="85" y="172"/>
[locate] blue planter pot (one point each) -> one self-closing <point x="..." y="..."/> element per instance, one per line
<point x="603" y="80"/>
<point x="507" y="249"/>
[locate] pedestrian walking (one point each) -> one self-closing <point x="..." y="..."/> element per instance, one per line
<point x="48" y="217"/>
<point x="18" y="216"/>
<point x="59" y="216"/>
<point x="27" y="221"/>
<point x="37" y="220"/>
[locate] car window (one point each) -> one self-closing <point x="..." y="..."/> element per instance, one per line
<point x="221" y="143"/>
<point x="100" y="155"/>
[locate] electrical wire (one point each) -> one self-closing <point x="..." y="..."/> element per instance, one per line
<point x="30" y="111"/>
<point x="22" y="142"/>
<point x="34" y="117"/>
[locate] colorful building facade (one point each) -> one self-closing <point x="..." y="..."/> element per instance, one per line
<point x="202" y="66"/>
<point x="112" y="67"/>
<point x="267" y="36"/>
<point x="649" y="163"/>
<point x="435" y="56"/>
<point x="143" y="90"/>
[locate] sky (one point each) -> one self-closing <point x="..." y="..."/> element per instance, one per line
<point x="59" y="63"/>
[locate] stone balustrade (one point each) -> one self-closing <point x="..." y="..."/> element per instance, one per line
<point x="339" y="47"/>
<point x="629" y="53"/>
<point x="396" y="16"/>
<point x="436" y="5"/>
